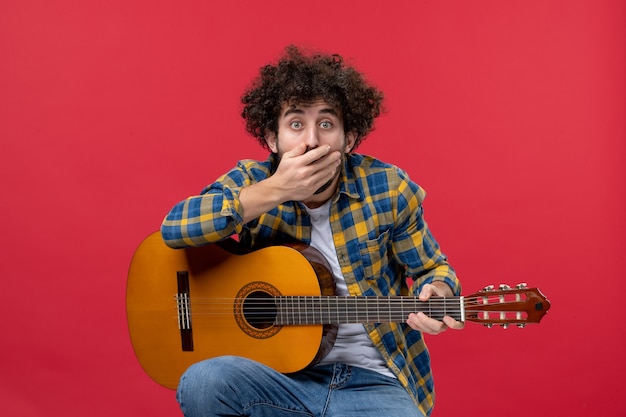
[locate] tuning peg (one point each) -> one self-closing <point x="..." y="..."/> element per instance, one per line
<point x="521" y="286"/>
<point x="505" y="325"/>
<point x="488" y="288"/>
<point x="488" y="325"/>
<point x="521" y="325"/>
<point x="504" y="287"/>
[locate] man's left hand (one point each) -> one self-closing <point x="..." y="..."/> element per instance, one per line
<point x="423" y="323"/>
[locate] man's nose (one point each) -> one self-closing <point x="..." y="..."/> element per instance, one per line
<point x="311" y="137"/>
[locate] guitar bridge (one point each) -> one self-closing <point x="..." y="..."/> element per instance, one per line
<point x="183" y="308"/>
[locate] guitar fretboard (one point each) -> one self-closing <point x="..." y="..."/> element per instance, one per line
<point x="302" y="310"/>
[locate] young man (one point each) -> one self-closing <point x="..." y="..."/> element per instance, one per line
<point x="311" y="112"/>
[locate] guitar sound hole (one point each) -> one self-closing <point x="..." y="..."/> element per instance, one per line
<point x="259" y="310"/>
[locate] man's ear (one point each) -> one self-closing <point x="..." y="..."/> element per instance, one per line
<point x="350" y="141"/>
<point x="271" y="140"/>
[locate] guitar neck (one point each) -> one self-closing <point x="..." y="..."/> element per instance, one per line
<point x="302" y="310"/>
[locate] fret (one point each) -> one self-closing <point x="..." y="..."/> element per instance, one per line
<point x="348" y="309"/>
<point x="329" y="320"/>
<point x="278" y="320"/>
<point x="314" y="316"/>
<point x="292" y="310"/>
<point x="313" y="309"/>
<point x="301" y="308"/>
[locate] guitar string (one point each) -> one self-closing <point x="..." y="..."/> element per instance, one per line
<point x="342" y="301"/>
<point x="334" y="317"/>
<point x="334" y="306"/>
<point x="331" y="301"/>
<point x="327" y="309"/>
<point x="340" y="297"/>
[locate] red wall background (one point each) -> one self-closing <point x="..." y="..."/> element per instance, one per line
<point x="510" y="113"/>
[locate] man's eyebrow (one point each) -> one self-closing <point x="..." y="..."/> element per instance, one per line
<point x="330" y="110"/>
<point x="293" y="110"/>
<point x="298" y="110"/>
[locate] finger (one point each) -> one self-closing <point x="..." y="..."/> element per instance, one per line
<point x="425" y="324"/>
<point x="452" y="323"/>
<point x="426" y="292"/>
<point x="297" y="151"/>
<point x="329" y="163"/>
<point x="316" y="154"/>
<point x="433" y="326"/>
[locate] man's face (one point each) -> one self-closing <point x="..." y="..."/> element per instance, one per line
<point x="315" y="124"/>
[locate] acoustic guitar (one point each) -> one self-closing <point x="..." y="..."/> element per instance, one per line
<point x="275" y="305"/>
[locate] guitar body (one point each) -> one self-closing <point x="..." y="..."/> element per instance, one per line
<point x="217" y="324"/>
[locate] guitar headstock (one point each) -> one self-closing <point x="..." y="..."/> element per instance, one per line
<point x="506" y="306"/>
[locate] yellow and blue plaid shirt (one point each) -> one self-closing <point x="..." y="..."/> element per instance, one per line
<point x="380" y="237"/>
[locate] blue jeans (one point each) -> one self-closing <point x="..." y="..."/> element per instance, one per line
<point x="234" y="386"/>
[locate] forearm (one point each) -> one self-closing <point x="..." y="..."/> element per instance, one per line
<point x="259" y="198"/>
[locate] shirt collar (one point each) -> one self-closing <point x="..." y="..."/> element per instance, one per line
<point x="347" y="182"/>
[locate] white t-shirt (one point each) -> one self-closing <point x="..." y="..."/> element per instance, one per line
<point x="353" y="346"/>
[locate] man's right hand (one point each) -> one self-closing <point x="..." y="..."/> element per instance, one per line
<point x="301" y="173"/>
<point x="298" y="176"/>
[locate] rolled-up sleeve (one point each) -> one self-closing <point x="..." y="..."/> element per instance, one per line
<point x="215" y="213"/>
<point x="207" y="218"/>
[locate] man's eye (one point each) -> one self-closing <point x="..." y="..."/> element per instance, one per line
<point x="326" y="125"/>
<point x="296" y="125"/>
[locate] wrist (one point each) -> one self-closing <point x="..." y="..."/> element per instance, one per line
<point x="259" y="198"/>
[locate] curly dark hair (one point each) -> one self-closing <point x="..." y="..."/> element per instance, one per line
<point x="300" y="78"/>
